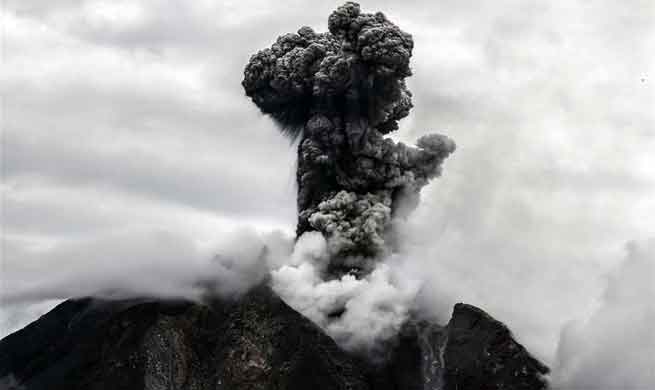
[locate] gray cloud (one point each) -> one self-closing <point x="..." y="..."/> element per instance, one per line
<point x="150" y="173"/>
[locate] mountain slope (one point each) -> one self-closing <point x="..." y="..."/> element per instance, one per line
<point x="254" y="342"/>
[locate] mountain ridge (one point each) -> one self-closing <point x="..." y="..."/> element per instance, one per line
<point x="255" y="341"/>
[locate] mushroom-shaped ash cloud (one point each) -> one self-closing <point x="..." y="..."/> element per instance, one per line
<point x="340" y="92"/>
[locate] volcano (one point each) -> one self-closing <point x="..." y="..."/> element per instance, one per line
<point x="252" y="342"/>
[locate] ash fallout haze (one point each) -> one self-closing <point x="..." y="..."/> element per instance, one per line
<point x="133" y="162"/>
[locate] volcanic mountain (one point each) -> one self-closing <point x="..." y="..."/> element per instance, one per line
<point x="252" y="342"/>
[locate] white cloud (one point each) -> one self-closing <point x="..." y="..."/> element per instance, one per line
<point x="371" y="309"/>
<point x="614" y="348"/>
<point x="153" y="262"/>
<point x="109" y="15"/>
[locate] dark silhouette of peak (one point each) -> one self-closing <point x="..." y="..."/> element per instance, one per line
<point x="482" y="354"/>
<point x="252" y="342"/>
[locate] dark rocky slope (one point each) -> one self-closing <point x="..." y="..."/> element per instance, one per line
<point x="255" y="342"/>
<point x="481" y="353"/>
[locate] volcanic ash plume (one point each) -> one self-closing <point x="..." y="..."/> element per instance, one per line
<point x="341" y="92"/>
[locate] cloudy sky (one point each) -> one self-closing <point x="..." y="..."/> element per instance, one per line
<point x="123" y="118"/>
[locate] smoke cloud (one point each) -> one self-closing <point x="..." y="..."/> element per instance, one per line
<point x="358" y="313"/>
<point x="340" y="92"/>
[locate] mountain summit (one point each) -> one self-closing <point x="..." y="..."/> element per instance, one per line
<point x="253" y="342"/>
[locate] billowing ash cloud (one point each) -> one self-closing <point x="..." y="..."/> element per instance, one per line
<point x="341" y="92"/>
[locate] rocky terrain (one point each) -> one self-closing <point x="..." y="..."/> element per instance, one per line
<point x="253" y="342"/>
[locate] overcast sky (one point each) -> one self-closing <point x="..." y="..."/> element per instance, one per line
<point x="123" y="116"/>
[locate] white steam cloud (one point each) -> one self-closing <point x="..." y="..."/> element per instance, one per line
<point x="146" y="262"/>
<point x="359" y="314"/>
<point x="615" y="347"/>
<point x="172" y="265"/>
